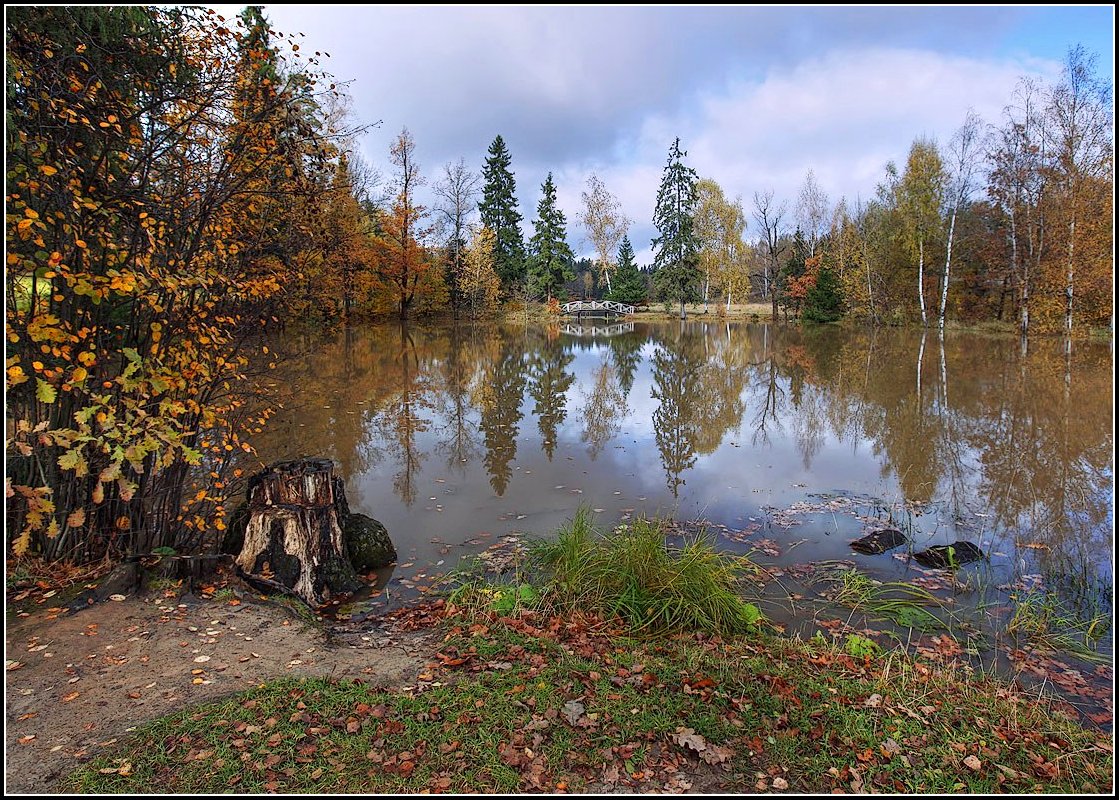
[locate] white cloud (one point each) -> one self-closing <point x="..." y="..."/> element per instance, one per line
<point x="843" y="114"/>
<point x="757" y="95"/>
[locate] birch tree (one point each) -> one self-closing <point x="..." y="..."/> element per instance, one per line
<point x="1018" y="184"/>
<point x="719" y="226"/>
<point x="963" y="162"/>
<point x="606" y="225"/>
<point x="919" y="199"/>
<point x="812" y="211"/>
<point x="477" y="277"/>
<point x="1080" y="141"/>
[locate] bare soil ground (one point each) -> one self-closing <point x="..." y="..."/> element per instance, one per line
<point x="78" y="683"/>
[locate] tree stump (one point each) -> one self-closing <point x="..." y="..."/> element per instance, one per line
<point x="293" y="536"/>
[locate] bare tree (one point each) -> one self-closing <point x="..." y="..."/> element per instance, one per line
<point x="605" y="223"/>
<point x="458" y="192"/>
<point x="769" y="217"/>
<point x="812" y="210"/>
<point x="367" y="182"/>
<point x="963" y="162"/>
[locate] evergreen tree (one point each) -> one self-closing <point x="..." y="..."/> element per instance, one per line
<point x="790" y="280"/>
<point x="498" y="210"/>
<point x="675" y="264"/>
<point x="824" y="302"/>
<point x="550" y="257"/>
<point x="629" y="283"/>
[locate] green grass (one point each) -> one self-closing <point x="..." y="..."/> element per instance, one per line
<point x="1042" y="621"/>
<point x="631" y="573"/>
<point x="904" y="603"/>
<point x="504" y="719"/>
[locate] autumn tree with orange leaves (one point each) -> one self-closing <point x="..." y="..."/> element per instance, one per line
<point x="405" y="270"/>
<point x="151" y="152"/>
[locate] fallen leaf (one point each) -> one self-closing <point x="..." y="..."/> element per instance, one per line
<point x="780" y="784"/>
<point x="201" y="659"/>
<point x="72" y="696"/>
<point x="973" y="763"/>
<point x="688" y="738"/>
<point x="117" y="598"/>
<point x="716" y="754"/>
<point x="873" y="701"/>
<point x="573" y="710"/>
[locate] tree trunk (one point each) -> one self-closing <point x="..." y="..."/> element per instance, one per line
<point x="1071" y="273"/>
<point x="921" y="281"/>
<point x="947" y="271"/>
<point x="294" y="532"/>
<point x="773" y="292"/>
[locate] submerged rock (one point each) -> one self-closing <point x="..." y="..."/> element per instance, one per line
<point x="367" y="542"/>
<point x="880" y="541"/>
<point x="949" y="555"/>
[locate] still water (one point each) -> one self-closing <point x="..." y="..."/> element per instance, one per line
<point x="787" y="442"/>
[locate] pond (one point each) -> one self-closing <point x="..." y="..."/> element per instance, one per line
<point x="786" y="443"/>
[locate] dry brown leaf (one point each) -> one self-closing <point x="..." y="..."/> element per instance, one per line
<point x="688" y="738"/>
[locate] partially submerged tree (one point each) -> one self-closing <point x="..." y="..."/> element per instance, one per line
<point x="769" y="215"/>
<point x="964" y="152"/>
<point x="458" y="192"/>
<point x="402" y="265"/>
<point x="920" y="195"/>
<point x="1080" y="122"/>
<point x="498" y="211"/>
<point x="477" y="278"/>
<point x="676" y="247"/>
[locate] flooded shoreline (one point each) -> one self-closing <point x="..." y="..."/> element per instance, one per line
<point x="456" y="437"/>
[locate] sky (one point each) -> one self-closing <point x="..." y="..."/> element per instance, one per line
<point x="757" y="95"/>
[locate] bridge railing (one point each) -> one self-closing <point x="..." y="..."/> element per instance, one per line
<point x="588" y="306"/>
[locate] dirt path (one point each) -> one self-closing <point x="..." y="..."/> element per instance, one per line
<point x="77" y="684"/>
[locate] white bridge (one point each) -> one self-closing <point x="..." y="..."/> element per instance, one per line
<point x="596" y="308"/>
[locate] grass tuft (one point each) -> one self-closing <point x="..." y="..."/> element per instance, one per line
<point x="631" y="573"/>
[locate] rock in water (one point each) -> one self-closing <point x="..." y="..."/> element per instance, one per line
<point x="949" y="555"/>
<point x="368" y="543"/>
<point x="878" y="542"/>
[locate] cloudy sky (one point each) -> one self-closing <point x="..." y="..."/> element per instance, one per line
<point x="758" y="96"/>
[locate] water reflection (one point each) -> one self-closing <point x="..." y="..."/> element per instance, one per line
<point x="711" y="419"/>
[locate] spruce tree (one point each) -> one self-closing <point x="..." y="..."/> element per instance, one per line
<point x="824" y="302"/>
<point x="498" y="210"/>
<point x="675" y="263"/>
<point x="550" y="257"/>
<point x="629" y="283"/>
